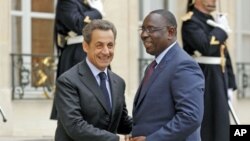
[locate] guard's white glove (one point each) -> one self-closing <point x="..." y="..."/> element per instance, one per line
<point x="98" y="5"/>
<point x="221" y="22"/>
<point x="222" y="19"/>
<point x="230" y="94"/>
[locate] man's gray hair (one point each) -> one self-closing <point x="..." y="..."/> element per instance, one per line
<point x="97" y="24"/>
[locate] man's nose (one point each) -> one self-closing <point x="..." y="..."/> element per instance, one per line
<point x="105" y="49"/>
<point x="144" y="34"/>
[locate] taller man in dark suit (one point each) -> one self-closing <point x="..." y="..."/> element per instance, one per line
<point x="71" y="17"/>
<point x="168" y="105"/>
<point x="89" y="97"/>
<point x="205" y="40"/>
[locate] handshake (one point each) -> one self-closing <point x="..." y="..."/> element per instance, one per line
<point x="221" y="22"/>
<point x="98" y="5"/>
<point x="129" y="138"/>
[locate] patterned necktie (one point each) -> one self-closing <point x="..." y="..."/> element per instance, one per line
<point x="149" y="72"/>
<point x="104" y="89"/>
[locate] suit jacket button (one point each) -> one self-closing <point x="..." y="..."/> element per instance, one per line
<point x="107" y="118"/>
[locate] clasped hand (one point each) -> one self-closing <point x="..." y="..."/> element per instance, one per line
<point x="98" y="5"/>
<point x="129" y="138"/>
<point x="221" y="22"/>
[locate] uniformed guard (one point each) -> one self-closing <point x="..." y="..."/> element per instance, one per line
<point x="205" y="39"/>
<point x="71" y="17"/>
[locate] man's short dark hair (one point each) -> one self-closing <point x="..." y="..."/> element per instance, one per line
<point x="170" y="18"/>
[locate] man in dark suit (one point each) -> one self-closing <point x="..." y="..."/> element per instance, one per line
<point x="71" y="17"/>
<point x="89" y="97"/>
<point x="205" y="40"/>
<point x="168" y="105"/>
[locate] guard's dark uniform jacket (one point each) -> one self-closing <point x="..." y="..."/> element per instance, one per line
<point x="71" y="17"/>
<point x="209" y="42"/>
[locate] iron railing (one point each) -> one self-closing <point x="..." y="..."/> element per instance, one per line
<point x="243" y="79"/>
<point x="242" y="76"/>
<point x="33" y="75"/>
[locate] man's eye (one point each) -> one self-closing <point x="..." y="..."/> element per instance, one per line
<point x="150" y="29"/>
<point x="98" y="45"/>
<point x="110" y="46"/>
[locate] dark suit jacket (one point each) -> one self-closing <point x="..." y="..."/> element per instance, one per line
<point x="170" y="106"/>
<point x="82" y="112"/>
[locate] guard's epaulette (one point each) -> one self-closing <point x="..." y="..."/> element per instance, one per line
<point x="187" y="16"/>
<point x="87" y="19"/>
<point x="85" y="2"/>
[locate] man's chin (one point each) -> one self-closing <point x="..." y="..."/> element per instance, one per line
<point x="150" y="52"/>
<point x="211" y="8"/>
<point x="105" y="65"/>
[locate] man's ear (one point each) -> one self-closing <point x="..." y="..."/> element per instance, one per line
<point x="171" y="32"/>
<point x="85" y="46"/>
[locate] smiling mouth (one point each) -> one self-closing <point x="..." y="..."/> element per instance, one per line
<point x="104" y="59"/>
<point x="211" y="6"/>
<point x="147" y="43"/>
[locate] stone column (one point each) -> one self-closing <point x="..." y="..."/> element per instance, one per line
<point x="5" y="68"/>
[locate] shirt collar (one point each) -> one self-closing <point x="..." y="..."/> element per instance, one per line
<point x="159" y="57"/>
<point x="94" y="69"/>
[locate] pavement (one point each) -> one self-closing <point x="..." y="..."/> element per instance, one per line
<point x="26" y="138"/>
<point x="241" y="107"/>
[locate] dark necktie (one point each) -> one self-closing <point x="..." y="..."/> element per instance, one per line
<point x="104" y="89"/>
<point x="149" y="72"/>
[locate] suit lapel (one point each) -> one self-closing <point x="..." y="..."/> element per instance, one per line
<point x="114" y="94"/>
<point x="141" y="93"/>
<point x="113" y="90"/>
<point x="88" y="79"/>
<point x="136" y="99"/>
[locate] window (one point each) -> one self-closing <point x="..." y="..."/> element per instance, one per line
<point x="32" y="40"/>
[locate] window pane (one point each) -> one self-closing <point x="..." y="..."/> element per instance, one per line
<point x="16" y="5"/>
<point x="43" y="6"/>
<point x="16" y="34"/>
<point x="246" y="48"/>
<point x="42" y="36"/>
<point x="149" y="5"/>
